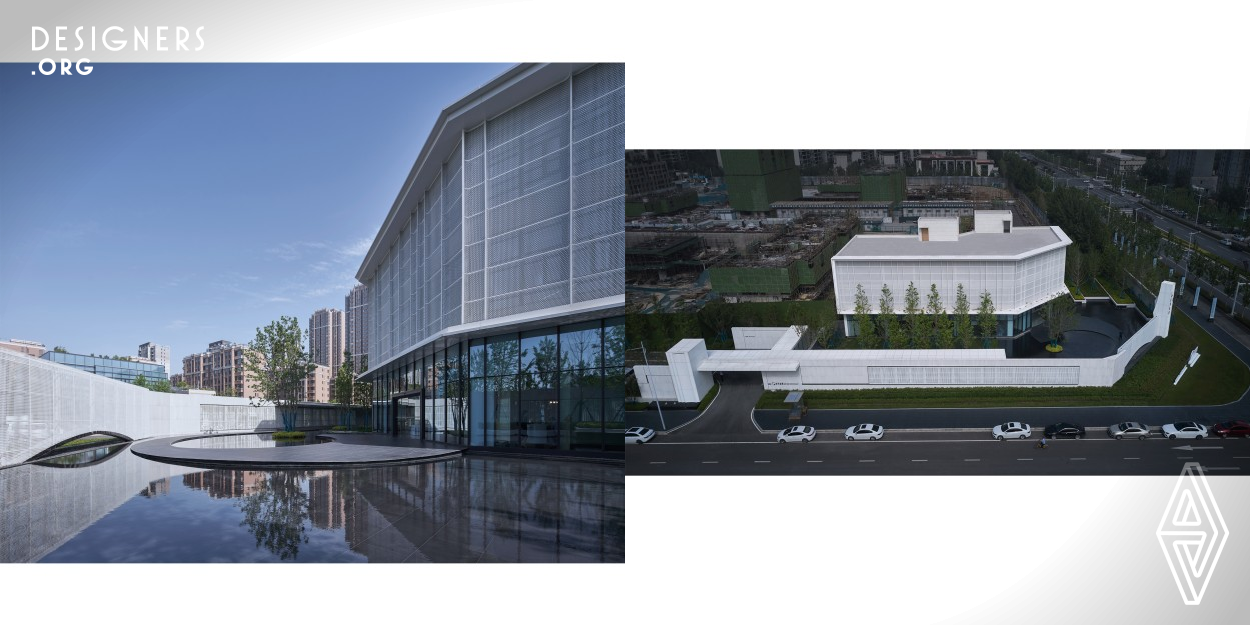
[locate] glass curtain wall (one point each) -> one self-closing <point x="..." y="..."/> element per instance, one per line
<point x="553" y="388"/>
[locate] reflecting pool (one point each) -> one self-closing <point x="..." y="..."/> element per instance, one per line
<point x="122" y="508"/>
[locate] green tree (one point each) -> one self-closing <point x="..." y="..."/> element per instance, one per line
<point x="867" y="337"/>
<point x="987" y="322"/>
<point x="160" y="386"/>
<point x="963" y="318"/>
<point x="277" y="362"/>
<point x="140" y="380"/>
<point x="1060" y="315"/>
<point x="887" y="321"/>
<point x="1076" y="267"/>
<point x="940" y="324"/>
<point x="60" y="350"/>
<point x="342" y="387"/>
<point x="362" y="391"/>
<point x="911" y="316"/>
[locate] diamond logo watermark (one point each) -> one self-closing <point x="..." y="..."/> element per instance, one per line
<point x="1192" y="533"/>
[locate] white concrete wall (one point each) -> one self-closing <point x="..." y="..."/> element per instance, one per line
<point x="684" y="359"/>
<point x="757" y="338"/>
<point x="990" y="222"/>
<point x="43" y="403"/>
<point x="785" y="369"/>
<point x="940" y="228"/>
<point x="655" y="382"/>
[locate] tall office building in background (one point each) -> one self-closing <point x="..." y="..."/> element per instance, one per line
<point x="497" y="277"/>
<point x="356" y="324"/>
<point x="158" y="354"/>
<point x="325" y="338"/>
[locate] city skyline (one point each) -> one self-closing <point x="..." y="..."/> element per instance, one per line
<point x="187" y="204"/>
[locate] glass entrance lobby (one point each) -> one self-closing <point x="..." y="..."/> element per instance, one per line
<point x="556" y="388"/>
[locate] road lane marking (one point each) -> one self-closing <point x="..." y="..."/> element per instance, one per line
<point x="1221" y="468"/>
<point x="972" y="459"/>
<point x="659" y="462"/>
<point x="1184" y="457"/>
<point x="867" y="460"/>
<point x="920" y="460"/>
<point x="1023" y="458"/>
<point x="815" y="460"/>
<point x="711" y="462"/>
<point x="1075" y="458"/>
<point x="1242" y="457"/>
<point x="1132" y="458"/>
<point x="762" y="461"/>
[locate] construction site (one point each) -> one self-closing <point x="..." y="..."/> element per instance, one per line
<point x="678" y="259"/>
<point x="674" y="263"/>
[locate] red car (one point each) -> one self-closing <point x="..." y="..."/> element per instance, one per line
<point x="1231" y="428"/>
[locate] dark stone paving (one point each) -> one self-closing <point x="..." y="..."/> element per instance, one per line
<point x="345" y="450"/>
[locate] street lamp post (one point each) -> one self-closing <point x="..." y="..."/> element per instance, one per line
<point x="1199" y="209"/>
<point x="1189" y="254"/>
<point x="657" y="401"/>
<point x="1233" y="311"/>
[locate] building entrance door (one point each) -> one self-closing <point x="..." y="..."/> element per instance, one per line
<point x="409" y="414"/>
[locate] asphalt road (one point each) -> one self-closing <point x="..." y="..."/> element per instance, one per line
<point x="1161" y="219"/>
<point x="939" y="453"/>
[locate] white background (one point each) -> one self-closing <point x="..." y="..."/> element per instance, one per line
<point x="927" y="75"/>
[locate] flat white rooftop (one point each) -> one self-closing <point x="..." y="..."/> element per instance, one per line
<point x="789" y="360"/>
<point x="1019" y="243"/>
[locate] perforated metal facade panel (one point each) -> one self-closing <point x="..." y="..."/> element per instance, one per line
<point x="526" y="213"/>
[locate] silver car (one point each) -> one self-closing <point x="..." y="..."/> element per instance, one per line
<point x="1129" y="429"/>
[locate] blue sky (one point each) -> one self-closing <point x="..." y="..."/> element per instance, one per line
<point x="187" y="203"/>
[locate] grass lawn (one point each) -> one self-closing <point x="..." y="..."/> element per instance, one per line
<point x="707" y="399"/>
<point x="1117" y="294"/>
<point x="1218" y="378"/>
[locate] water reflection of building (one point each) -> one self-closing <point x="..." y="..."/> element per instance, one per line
<point x="488" y="510"/>
<point x="225" y="483"/>
<point x="327" y="508"/>
<point x="156" y="488"/>
<point x="43" y="507"/>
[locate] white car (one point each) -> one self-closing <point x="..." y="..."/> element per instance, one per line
<point x="864" y="432"/>
<point x="1014" y="429"/>
<point x="639" y="435"/>
<point x="798" y="433"/>
<point x="1184" y="429"/>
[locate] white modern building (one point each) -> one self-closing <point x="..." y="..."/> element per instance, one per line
<point x="497" y="276"/>
<point x="1021" y="268"/>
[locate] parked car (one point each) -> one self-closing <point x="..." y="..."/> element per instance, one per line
<point x="1059" y="430"/>
<point x="639" y="435"/>
<point x="798" y="433"/>
<point x="1129" y="429"/>
<point x="1184" y="429"/>
<point x="1231" y="428"/>
<point x="864" y="432"/>
<point x="1014" y="429"/>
